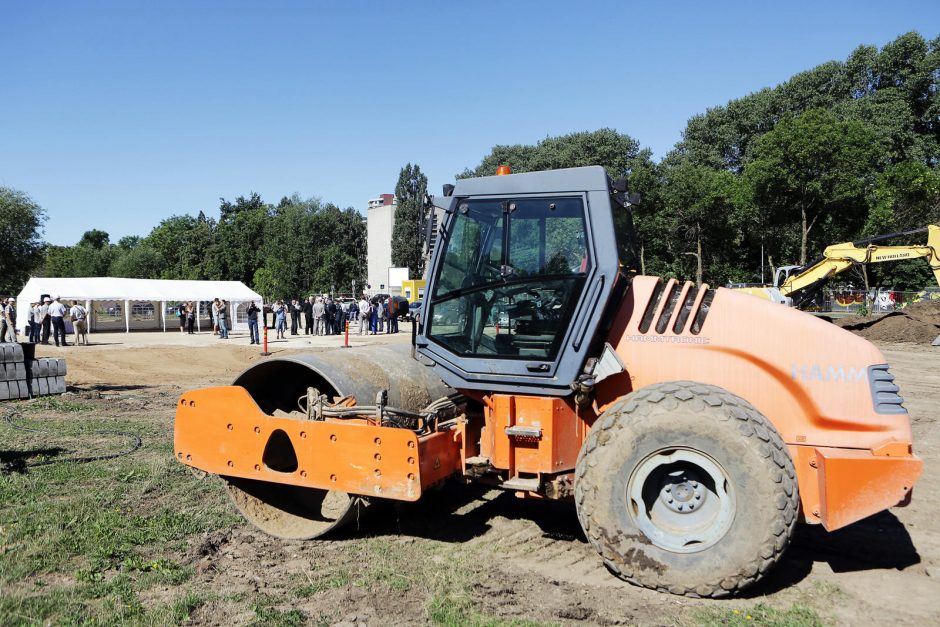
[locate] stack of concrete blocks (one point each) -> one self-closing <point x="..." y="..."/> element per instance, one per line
<point x="21" y="376"/>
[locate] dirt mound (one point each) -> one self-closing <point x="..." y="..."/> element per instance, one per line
<point x="926" y="311"/>
<point x="912" y="326"/>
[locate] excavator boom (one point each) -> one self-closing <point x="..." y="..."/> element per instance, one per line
<point x="840" y="257"/>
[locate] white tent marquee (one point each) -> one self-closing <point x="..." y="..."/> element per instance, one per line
<point x="116" y="304"/>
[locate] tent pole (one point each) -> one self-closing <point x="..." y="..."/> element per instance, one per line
<point x="163" y="314"/>
<point x="127" y="316"/>
<point x="88" y="317"/>
<point x="198" y="316"/>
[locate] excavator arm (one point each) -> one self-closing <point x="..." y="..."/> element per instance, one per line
<point x="840" y="257"/>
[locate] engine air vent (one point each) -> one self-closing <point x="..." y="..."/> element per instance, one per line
<point x="884" y="391"/>
<point x="702" y="312"/>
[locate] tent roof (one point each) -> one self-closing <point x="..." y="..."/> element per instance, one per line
<point x="112" y="288"/>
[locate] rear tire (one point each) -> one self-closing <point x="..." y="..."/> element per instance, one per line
<point x="684" y="487"/>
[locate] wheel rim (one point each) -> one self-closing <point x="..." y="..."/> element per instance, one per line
<point x="681" y="499"/>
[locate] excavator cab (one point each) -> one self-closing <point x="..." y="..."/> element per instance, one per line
<point x="519" y="283"/>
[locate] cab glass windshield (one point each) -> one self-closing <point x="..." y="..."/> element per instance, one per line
<point x="512" y="272"/>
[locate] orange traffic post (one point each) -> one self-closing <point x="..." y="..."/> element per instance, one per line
<point x="265" y="352"/>
<point x="346" y="344"/>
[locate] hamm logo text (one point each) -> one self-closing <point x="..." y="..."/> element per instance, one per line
<point x="816" y="372"/>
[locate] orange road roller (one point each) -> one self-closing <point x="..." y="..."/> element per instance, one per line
<point x="691" y="427"/>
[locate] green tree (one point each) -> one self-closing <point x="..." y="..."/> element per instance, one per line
<point x="703" y="212"/>
<point x="21" y="221"/>
<point x="186" y="244"/>
<point x="129" y="242"/>
<point x="82" y="260"/>
<point x="406" y="234"/>
<point x="140" y="262"/>
<point x="893" y="90"/>
<point x="817" y="169"/>
<point x="649" y="217"/>
<point x="605" y="147"/>
<point x="95" y="239"/>
<point x="310" y="247"/>
<point x="906" y="197"/>
<point x="239" y="236"/>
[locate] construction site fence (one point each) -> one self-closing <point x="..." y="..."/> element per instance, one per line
<point x="879" y="300"/>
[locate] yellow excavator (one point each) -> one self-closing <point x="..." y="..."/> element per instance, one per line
<point x="797" y="285"/>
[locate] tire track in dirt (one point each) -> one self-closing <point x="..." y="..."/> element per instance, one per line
<point x="523" y="544"/>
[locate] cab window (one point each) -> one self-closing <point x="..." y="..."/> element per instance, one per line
<point x="511" y="275"/>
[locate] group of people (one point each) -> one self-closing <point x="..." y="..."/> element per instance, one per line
<point x="376" y="316"/>
<point x="45" y="318"/>
<point x="323" y="315"/>
<point x="187" y="313"/>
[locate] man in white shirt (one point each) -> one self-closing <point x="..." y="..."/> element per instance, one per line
<point x="44" y="320"/>
<point x="79" y="322"/>
<point x="365" y="311"/>
<point x="319" y="311"/>
<point x="57" y="313"/>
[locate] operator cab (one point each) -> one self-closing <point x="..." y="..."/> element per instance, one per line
<point x="525" y="267"/>
<point x="785" y="272"/>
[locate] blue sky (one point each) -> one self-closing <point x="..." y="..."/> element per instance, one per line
<point x="115" y="115"/>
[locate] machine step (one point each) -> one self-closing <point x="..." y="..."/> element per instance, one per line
<point x="522" y="431"/>
<point x="522" y="484"/>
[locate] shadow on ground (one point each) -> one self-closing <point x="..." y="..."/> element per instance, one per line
<point x="18" y="461"/>
<point x="461" y="513"/>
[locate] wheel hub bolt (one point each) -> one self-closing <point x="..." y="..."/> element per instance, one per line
<point x="682" y="496"/>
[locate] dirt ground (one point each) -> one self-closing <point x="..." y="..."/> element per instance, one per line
<point x="472" y="556"/>
<point x="918" y="323"/>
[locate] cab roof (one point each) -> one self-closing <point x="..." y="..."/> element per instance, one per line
<point x="586" y="179"/>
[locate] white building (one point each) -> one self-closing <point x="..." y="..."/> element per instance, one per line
<point x="380" y="222"/>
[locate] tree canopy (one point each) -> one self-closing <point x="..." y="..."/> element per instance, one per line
<point x="410" y="191"/>
<point x="21" y="251"/>
<point x="843" y="150"/>
<point x="294" y="249"/>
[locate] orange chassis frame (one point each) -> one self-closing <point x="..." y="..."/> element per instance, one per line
<point x="223" y="431"/>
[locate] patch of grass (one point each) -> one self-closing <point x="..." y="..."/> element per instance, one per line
<point x="22" y="609"/>
<point x="449" y="610"/>
<point x="181" y="610"/>
<point x="81" y="543"/>
<point x="324" y="581"/>
<point x="388" y="563"/>
<point x="760" y="614"/>
<point x="60" y="404"/>
<point x="267" y="615"/>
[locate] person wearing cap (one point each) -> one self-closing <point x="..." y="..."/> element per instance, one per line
<point x="79" y="323"/>
<point x="8" y="320"/>
<point x="57" y="314"/>
<point x="34" y="323"/>
<point x="45" y="320"/>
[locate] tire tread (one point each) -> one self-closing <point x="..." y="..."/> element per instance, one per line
<point x="751" y="424"/>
